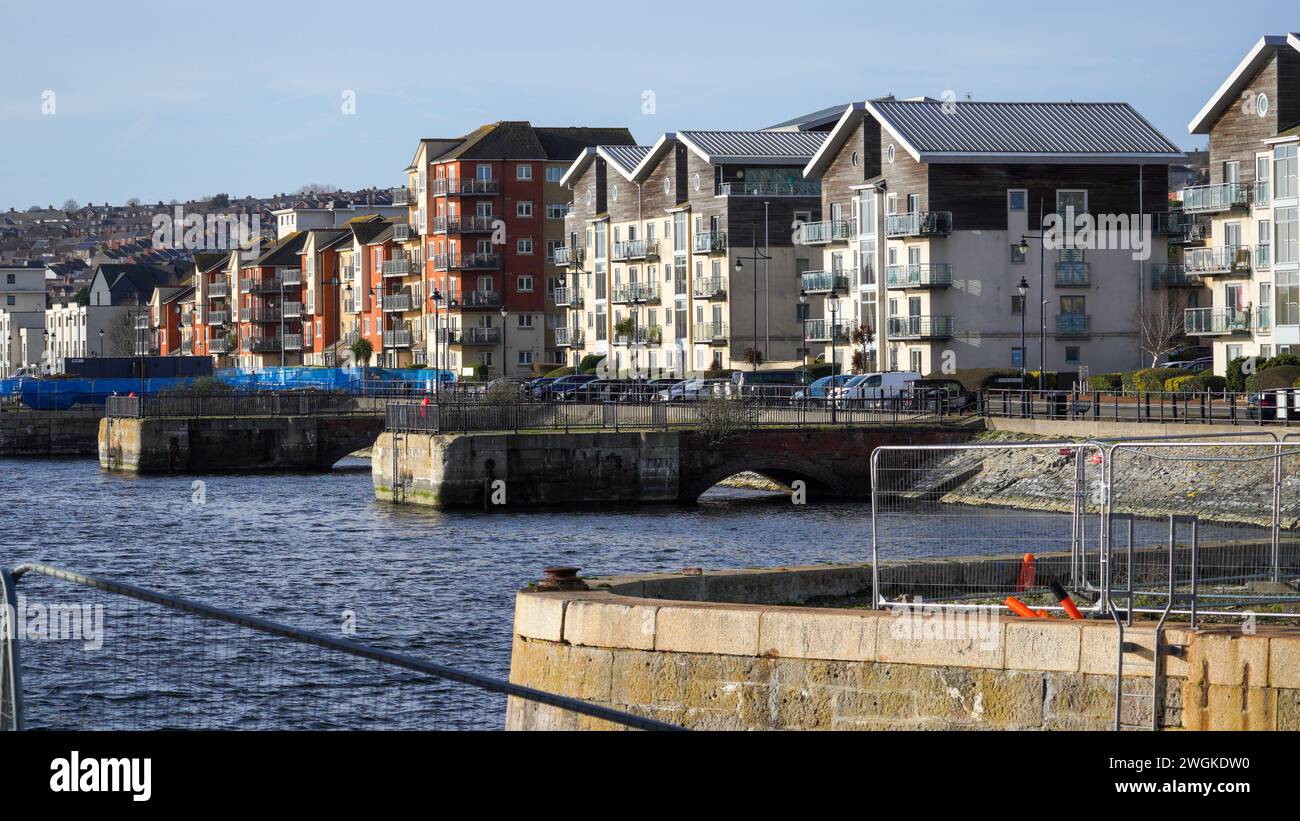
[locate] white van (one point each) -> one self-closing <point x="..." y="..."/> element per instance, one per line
<point x="875" y="386"/>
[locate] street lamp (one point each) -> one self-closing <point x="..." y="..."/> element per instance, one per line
<point x="1023" y="290"/>
<point x="436" y="298"/>
<point x="504" y="314"/>
<point x="1042" y="292"/>
<point x="833" y="308"/>
<point x="756" y="256"/>
<point x="101" y="343"/>
<point x="803" y="300"/>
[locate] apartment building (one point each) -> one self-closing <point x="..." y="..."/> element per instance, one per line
<point x="323" y="291"/>
<point x="269" y="298"/>
<point x="22" y="317"/>
<point x="161" y="325"/>
<point x="1245" y="219"/>
<point x="934" y="213"/>
<point x="466" y="287"/>
<point x="680" y="255"/>
<point x="305" y="218"/>
<point x="212" y="330"/>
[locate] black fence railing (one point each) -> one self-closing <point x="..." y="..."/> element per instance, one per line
<point x="254" y="404"/>
<point x="1280" y="407"/>
<point x="724" y="415"/>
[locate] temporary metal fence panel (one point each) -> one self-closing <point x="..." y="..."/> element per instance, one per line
<point x="1118" y="406"/>
<point x="977" y="523"/>
<point x="97" y="654"/>
<point x="1245" y="498"/>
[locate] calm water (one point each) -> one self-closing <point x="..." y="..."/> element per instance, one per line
<point x="302" y="549"/>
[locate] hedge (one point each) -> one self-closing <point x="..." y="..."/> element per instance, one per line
<point x="1185" y="384"/>
<point x="1282" y="376"/>
<point x="1236" y="375"/>
<point x="1106" y="382"/>
<point x="1150" y="380"/>
<point x="1214" y="383"/>
<point x="558" y="372"/>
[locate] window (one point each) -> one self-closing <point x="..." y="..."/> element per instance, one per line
<point x="1017" y="255"/>
<point x="526" y="358"/>
<point x="1285" y="248"/>
<point x="1284" y="171"/>
<point x="1072" y="354"/>
<point x="525" y="320"/>
<point x="915" y="360"/>
<point x="524" y="208"/>
<point x="1016" y="200"/>
<point x="1232" y="171"/>
<point x="524" y="246"/>
<point x="10" y="299"/>
<point x="555" y="210"/>
<point x="483" y="171"/>
<point x="554" y="174"/>
<point x="524" y="171"/>
<point x="525" y="283"/>
<point x="1068" y="199"/>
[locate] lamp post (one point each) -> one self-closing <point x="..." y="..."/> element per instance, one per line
<point x="45" y="343"/>
<point x="504" y="314"/>
<point x="1023" y="290"/>
<point x="101" y="343"/>
<point x="803" y="300"/>
<point x="1042" y="292"/>
<point x="833" y="308"/>
<point x="755" y="256"/>
<point x="436" y="298"/>
<point x="635" y="299"/>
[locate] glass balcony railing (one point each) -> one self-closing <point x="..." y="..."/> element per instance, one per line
<point x="1217" y="321"/>
<point x="1222" y="260"/>
<point x="1202" y="199"/>
<point x="636" y="249"/>
<point x="919" y="327"/>
<point x="787" y="188"/>
<point x="919" y="275"/>
<point x="820" y="282"/>
<point x="825" y="330"/>
<point x="568" y="337"/>
<point x="1166" y="275"/>
<point x="711" y="287"/>
<point x="919" y="224"/>
<point x="815" y="233"/>
<point x="712" y="332"/>
<point x="636" y="292"/>
<point x="709" y="242"/>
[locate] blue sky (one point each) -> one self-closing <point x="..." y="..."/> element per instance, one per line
<point x="163" y="100"/>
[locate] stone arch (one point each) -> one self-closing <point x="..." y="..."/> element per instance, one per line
<point x="821" y="481"/>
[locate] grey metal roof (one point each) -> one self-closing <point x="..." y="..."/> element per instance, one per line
<point x="758" y="146"/>
<point x="811" y="120"/>
<point x="627" y="157"/>
<point x="1093" y="129"/>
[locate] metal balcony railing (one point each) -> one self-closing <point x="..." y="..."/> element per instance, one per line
<point x="442" y="187"/>
<point x="218" y="345"/>
<point x="919" y="224"/>
<point x="820" y="282"/>
<point x="919" y="275"/>
<point x="143" y="322"/>
<point x="1222" y="260"/>
<point x="1073" y="325"/>
<point x="475" y="300"/>
<point x="291" y="276"/>
<point x="292" y="310"/>
<point x="1204" y="199"/>
<point x="1217" y="321"/>
<point x="711" y="287"/>
<point x="398" y="268"/>
<point x="396" y="302"/>
<point x="401" y="232"/>
<point x="397" y="339"/>
<point x="919" y="327"/>
<point x="1073" y="274"/>
<point x="218" y="290"/>
<point x="636" y="249"/>
<point x="218" y="317"/>
<point x="709" y="242"/>
<point x="1165" y="275"/>
<point x="262" y="344"/>
<point x="789" y="188"/>
<point x="643" y="335"/>
<point x="479" y="336"/>
<point x="468" y="262"/>
<point x="815" y="233"/>
<point x="820" y="330"/>
<point x="471" y="224"/>
<point x="568" y="337"/>
<point x="402" y="196"/>
<point x="293" y="342"/>
<point x="261" y="313"/>
<point x="711" y="332"/>
<point x="266" y="285"/>
<point x="636" y="292"/>
<point x="568" y="297"/>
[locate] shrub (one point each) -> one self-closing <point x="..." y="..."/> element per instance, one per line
<point x="1049" y="380"/>
<point x="1106" y="382"/>
<point x="1281" y="360"/>
<point x="715" y="372"/>
<point x="558" y="372"/>
<point x="1282" y="376"/>
<point x="820" y="369"/>
<point x="1214" y="383"/>
<point x="1185" y="385"/>
<point x="1296" y="384"/>
<point x="1236" y="375"/>
<point x="200" y="386"/>
<point x="977" y="379"/>
<point x="589" y="362"/>
<point x="1150" y="380"/>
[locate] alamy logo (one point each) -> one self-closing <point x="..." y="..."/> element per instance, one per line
<point x="205" y="232"/>
<point x="1101" y="232"/>
<point x="54" y="622"/>
<point x="920" y="621"/>
<point x="77" y="774"/>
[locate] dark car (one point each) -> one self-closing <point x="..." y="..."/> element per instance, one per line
<point x="571" y="387"/>
<point x="948" y="394"/>
<point x="537" y="387"/>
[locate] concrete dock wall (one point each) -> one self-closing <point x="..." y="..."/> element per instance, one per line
<point x="49" y="433"/>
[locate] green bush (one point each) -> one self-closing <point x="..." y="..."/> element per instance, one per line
<point x="977" y="379"/>
<point x="1281" y="360"/>
<point x="558" y="372"/>
<point x="1236" y="375"/>
<point x="1106" y="382"/>
<point x="1150" y="380"/>
<point x="1296" y="384"/>
<point x="1185" y="384"/>
<point x="589" y="362"/>
<point x="1282" y="376"/>
<point x="1049" y="380"/>
<point x="1214" y="383"/>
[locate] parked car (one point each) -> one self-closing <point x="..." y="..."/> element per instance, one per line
<point x="569" y="388"/>
<point x="821" y="388"/>
<point x="1192" y="365"/>
<point x="770" y="383"/>
<point x="537" y="387"/>
<point x="874" y="387"/>
<point x="647" y="390"/>
<point x="690" y="390"/>
<point x="940" y="394"/>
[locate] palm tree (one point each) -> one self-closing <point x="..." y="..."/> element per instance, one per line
<point x="361" y="350"/>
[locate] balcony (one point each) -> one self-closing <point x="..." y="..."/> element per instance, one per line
<point x="566" y="255"/>
<point x="260" y="313"/>
<point x="218" y="317"/>
<point x="789" y="188"/>
<point x="820" y="233"/>
<point x="1073" y="326"/>
<point x="397" y="339"/>
<point x="268" y="285"/>
<point x="1073" y="274"/>
<point x="396" y="302"/>
<point x="218" y="290"/>
<point x="714" y="333"/>
<point x="711" y="287"/>
<point x="1170" y="223"/>
<point x="292" y="310"/>
<point x="478" y="336"/>
<point x="636" y="292"/>
<point x="291" y="276"/>
<point x="636" y="249"/>
<point x="443" y="187"/>
<point x="568" y="298"/>
<point x="819" y="330"/>
<point x="568" y="337"/>
<point x="467" y="262"/>
<point x="1216" y="321"/>
<point x="919" y="224"/>
<point x="643" y="335"/>
<point x="402" y="196"/>
<point x="402" y="232"/>
<point x="293" y="342"/>
<point x="1164" y="275"/>
<point x="475" y="224"/>
<point x="919" y="275"/>
<point x="477" y="300"/>
<point x="709" y="242"/>
<point x="919" y="327"/>
<point x="1209" y="199"/>
<point x="398" y="268"/>
<point x="1226" y="260"/>
<point x="262" y="344"/>
<point x="143" y="322"/>
<point x="218" y="345"/>
<point x="820" y="282"/>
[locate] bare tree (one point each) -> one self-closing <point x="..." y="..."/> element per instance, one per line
<point x="122" y="336"/>
<point x="71" y="205"/>
<point x="1160" y="325"/>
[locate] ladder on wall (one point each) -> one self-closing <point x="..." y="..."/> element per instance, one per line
<point x="1159" y="651"/>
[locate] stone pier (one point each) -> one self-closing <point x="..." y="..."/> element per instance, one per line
<point x="25" y="433"/>
<point x="480" y="470"/>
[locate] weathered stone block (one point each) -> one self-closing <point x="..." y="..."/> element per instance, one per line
<point x="1100" y="643"/>
<point x="707" y="630"/>
<point x="1284" y="662"/>
<point x="1049" y="645"/>
<point x="647" y="678"/>
<point x="540" y="615"/>
<point x="896" y="643"/>
<point x="812" y="635"/>
<point x="610" y="624"/>
<point x="1229" y="658"/>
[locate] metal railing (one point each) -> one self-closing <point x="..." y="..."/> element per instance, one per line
<point x="175" y="663"/>
<point x="218" y="290"/>
<point x="397" y="339"/>
<point x="816" y="282"/>
<point x="789" y="188"/>
<point x="568" y="337"/>
<point x="829" y="231"/>
<point x="820" y="330"/>
<point x="919" y="224"/>
<point x="711" y="332"/>
<point x="1217" y="321"/>
<point x="1165" y="275"/>
<point x="635" y="292"/>
<point x="919" y="275"/>
<point x="1202" y="199"/>
<point x="267" y="403"/>
<point x="441" y="186"/>
<point x="919" y="327"/>
<point x="635" y="249"/>
<point x="400" y="267"/>
<point x="709" y="242"/>
<point x="1146" y="406"/>
<point x="396" y="302"/>
<point x="710" y="287"/>
<point x="1225" y="259"/>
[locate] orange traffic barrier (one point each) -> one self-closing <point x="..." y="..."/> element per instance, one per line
<point x="1025" y="578"/>
<point x="1064" y="598"/>
<point x="1019" y="607"/>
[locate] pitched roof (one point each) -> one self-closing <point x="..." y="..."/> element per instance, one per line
<point x="771" y="147"/>
<point x="810" y="121"/>
<point x="367" y="231"/>
<point x="1255" y="59"/>
<point x="624" y="158"/>
<point x="566" y="143"/>
<point x="935" y="131"/>
<point x="133" y="280"/>
<point x="285" y="252"/>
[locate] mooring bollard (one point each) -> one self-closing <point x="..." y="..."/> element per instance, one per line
<point x="561" y="578"/>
